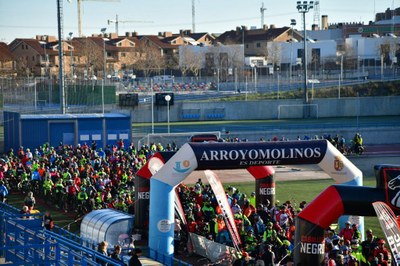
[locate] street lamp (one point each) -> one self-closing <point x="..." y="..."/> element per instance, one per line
<point x="72" y="58"/>
<point x="103" y="30"/>
<point x="304" y="7"/>
<point x="292" y="24"/>
<point x="168" y="99"/>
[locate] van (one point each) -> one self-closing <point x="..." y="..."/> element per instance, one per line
<point x="204" y="138"/>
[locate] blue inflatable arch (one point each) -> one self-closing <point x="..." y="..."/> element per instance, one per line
<point x="212" y="156"/>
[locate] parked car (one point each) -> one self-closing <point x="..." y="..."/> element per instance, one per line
<point x="204" y="138"/>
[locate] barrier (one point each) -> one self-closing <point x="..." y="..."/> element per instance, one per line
<point x="25" y="241"/>
<point x="211" y="156"/>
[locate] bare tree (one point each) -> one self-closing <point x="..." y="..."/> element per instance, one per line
<point x="191" y="59"/>
<point x="150" y="58"/>
<point x="92" y="56"/>
<point x="274" y="53"/>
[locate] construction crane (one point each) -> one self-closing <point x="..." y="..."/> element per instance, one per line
<point x="116" y="22"/>
<point x="317" y="16"/>
<point x="193" y="16"/>
<point x="79" y="3"/>
<point x="262" y="10"/>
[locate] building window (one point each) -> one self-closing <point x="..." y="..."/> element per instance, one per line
<point x="123" y="54"/>
<point x="33" y="58"/>
<point x="258" y="45"/>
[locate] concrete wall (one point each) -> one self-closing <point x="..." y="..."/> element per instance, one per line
<point x="268" y="109"/>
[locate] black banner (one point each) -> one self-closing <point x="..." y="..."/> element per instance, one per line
<point x="232" y="155"/>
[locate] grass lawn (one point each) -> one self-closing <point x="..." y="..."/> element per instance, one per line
<point x="297" y="191"/>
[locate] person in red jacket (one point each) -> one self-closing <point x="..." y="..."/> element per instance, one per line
<point x="192" y="225"/>
<point x="381" y="254"/>
<point x="347" y="232"/>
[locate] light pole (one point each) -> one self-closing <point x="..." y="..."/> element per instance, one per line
<point x="168" y="99"/>
<point x="103" y="30"/>
<point x="304" y="7"/>
<point x="292" y="24"/>
<point x="152" y="107"/>
<point x="72" y="58"/>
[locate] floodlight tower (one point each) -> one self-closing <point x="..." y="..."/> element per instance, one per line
<point x="317" y="16"/>
<point x="303" y="8"/>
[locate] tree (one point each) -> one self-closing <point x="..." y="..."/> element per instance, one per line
<point x="92" y="56"/>
<point x="191" y="59"/>
<point x="150" y="58"/>
<point x="274" y="53"/>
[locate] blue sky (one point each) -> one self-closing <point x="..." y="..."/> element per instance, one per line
<point x="27" y="18"/>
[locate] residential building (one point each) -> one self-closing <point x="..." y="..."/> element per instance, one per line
<point x="7" y="61"/>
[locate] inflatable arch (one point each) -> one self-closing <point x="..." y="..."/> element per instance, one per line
<point x="265" y="188"/>
<point x="202" y="156"/>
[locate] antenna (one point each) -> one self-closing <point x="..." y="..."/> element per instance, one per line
<point x="262" y="10"/>
<point x="317" y="16"/>
<point x="193" y="17"/>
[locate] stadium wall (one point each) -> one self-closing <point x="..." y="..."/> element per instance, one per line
<point x="269" y="109"/>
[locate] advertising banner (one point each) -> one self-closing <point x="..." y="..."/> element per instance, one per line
<point x="212" y="250"/>
<point x="390" y="228"/>
<point x="233" y="155"/>
<point x="222" y="200"/>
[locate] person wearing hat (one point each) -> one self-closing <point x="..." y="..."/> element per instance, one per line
<point x="252" y="199"/>
<point x="381" y="254"/>
<point x="270" y="235"/>
<point x="368" y="245"/>
<point x="283" y="253"/>
<point x="347" y="231"/>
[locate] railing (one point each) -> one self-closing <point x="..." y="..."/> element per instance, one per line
<point x="25" y="241"/>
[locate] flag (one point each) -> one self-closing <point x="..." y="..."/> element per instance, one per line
<point x="222" y="200"/>
<point x="388" y="222"/>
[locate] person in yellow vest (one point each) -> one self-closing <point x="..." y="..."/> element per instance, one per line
<point x="252" y="199"/>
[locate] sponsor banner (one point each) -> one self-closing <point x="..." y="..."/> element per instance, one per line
<point x="212" y="250"/>
<point x="220" y="195"/>
<point x="309" y="248"/>
<point x="232" y="155"/>
<point x="391" y="177"/>
<point x="178" y="167"/>
<point x="389" y="226"/>
<point x="265" y="191"/>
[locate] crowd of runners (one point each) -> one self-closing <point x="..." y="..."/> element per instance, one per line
<point x="83" y="178"/>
